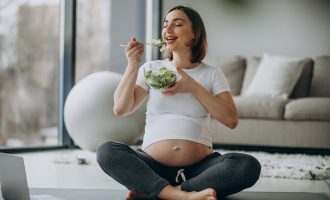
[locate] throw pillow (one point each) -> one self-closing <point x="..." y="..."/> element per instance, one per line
<point x="233" y="67"/>
<point x="276" y="76"/>
<point x="321" y="81"/>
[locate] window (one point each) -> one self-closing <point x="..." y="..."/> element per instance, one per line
<point x="29" y="72"/>
<point x="45" y="47"/>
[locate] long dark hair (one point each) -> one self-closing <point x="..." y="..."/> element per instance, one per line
<point x="199" y="45"/>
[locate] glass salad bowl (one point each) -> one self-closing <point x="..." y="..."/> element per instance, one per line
<point x="159" y="77"/>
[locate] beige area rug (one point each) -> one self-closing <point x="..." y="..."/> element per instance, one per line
<point x="291" y="166"/>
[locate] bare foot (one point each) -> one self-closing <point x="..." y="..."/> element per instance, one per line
<point x="174" y="193"/>
<point x="135" y="195"/>
<point x="207" y="194"/>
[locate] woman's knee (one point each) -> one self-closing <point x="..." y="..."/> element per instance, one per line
<point x="251" y="169"/>
<point x="106" y="152"/>
<point x="103" y="150"/>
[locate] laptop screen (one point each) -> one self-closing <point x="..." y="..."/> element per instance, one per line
<point x="13" y="178"/>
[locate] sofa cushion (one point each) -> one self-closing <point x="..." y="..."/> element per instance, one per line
<point x="233" y="67"/>
<point x="302" y="86"/>
<point x="260" y="107"/>
<point x="276" y="76"/>
<point x="312" y="108"/>
<point x="321" y="80"/>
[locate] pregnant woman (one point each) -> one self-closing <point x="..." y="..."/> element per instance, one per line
<point x="176" y="160"/>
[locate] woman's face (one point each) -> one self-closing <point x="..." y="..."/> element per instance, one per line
<point x="177" y="31"/>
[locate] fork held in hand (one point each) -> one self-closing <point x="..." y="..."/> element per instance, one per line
<point x="125" y="45"/>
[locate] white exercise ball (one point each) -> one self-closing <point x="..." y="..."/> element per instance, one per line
<point x="88" y="113"/>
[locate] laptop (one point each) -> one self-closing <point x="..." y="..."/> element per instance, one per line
<point x="13" y="180"/>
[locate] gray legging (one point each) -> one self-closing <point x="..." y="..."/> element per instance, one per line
<point x="227" y="174"/>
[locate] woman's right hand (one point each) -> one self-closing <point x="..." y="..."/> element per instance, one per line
<point x="133" y="52"/>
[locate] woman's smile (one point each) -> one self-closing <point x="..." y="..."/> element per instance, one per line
<point x="170" y="39"/>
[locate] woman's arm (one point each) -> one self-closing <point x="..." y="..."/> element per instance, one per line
<point x="128" y="96"/>
<point x="221" y="106"/>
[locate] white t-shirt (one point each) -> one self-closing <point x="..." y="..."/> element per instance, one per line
<point x="180" y="116"/>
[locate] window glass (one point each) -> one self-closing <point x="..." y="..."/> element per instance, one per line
<point x="29" y="72"/>
<point x="93" y="37"/>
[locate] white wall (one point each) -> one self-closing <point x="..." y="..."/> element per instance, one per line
<point x="251" y="27"/>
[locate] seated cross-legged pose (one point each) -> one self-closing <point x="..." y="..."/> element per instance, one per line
<point x="176" y="160"/>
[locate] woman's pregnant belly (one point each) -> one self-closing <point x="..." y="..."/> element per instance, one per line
<point x="177" y="152"/>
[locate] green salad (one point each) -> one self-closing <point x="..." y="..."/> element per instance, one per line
<point x="161" y="78"/>
<point x="159" y="43"/>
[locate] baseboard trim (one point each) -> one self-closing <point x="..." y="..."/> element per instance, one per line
<point x="34" y="148"/>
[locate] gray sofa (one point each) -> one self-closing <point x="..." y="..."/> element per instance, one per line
<point x="300" y="121"/>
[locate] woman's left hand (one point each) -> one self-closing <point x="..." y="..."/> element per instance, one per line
<point x="184" y="85"/>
